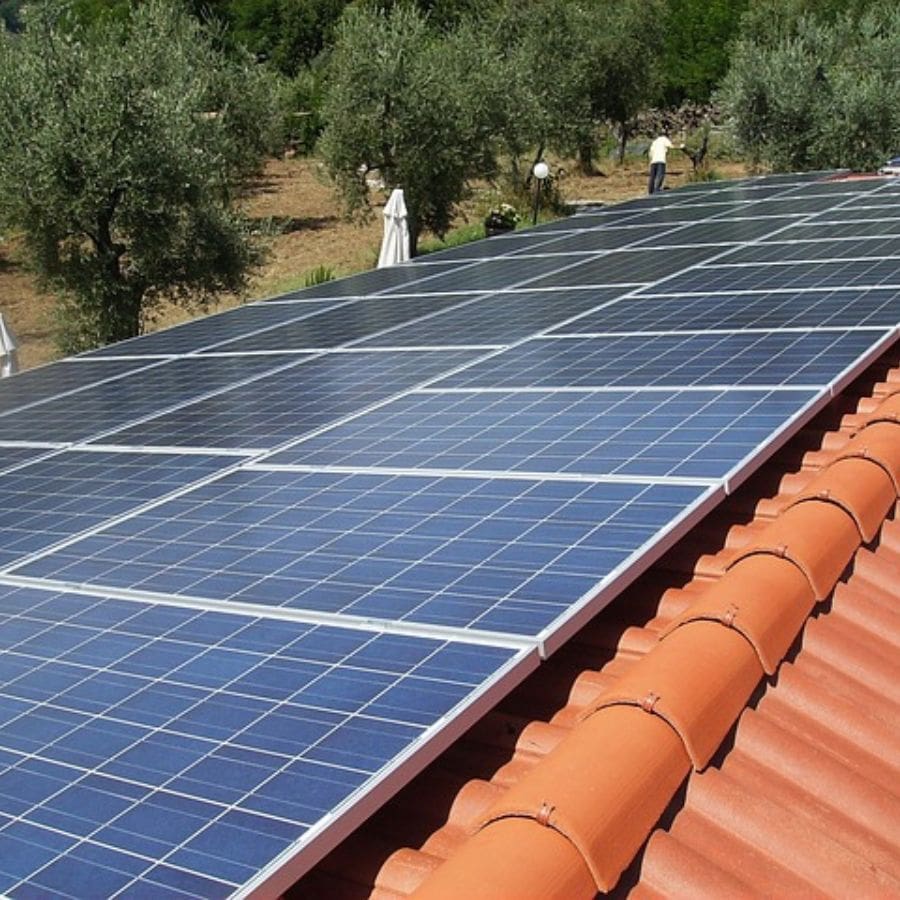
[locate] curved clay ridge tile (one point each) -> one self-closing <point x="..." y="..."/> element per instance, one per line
<point x="743" y="600"/>
<point x="888" y="410"/>
<point x="859" y="486"/>
<point x="698" y="680"/>
<point x="818" y="537"/>
<point x="601" y="790"/>
<point x="879" y="442"/>
<point x="530" y="861"/>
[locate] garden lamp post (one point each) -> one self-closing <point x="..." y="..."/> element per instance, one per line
<point x="540" y="171"/>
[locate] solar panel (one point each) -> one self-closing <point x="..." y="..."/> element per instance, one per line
<point x="58" y="497"/>
<point x="177" y="752"/>
<point x="847" y="213"/>
<point x="647" y="434"/>
<point x="590" y="241"/>
<point x="706" y="358"/>
<point x="674" y="215"/>
<point x="96" y="409"/>
<point x="846" y="248"/>
<point x="820" y="188"/>
<point x="860" y="274"/>
<point x="219" y="656"/>
<point x="58" y="378"/>
<point x="625" y="267"/>
<point x="826" y="230"/>
<point x="780" y="207"/>
<point x="487" y="275"/>
<point x="349" y="322"/>
<point x="596" y="218"/>
<point x="726" y="231"/>
<point x="12" y="456"/>
<point x="369" y="282"/>
<point x="276" y="408"/>
<point x="498" y="245"/>
<point x="804" y="309"/>
<point x="208" y="330"/>
<point x="495" y="319"/>
<point x="505" y="556"/>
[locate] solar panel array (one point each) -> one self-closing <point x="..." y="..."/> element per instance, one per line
<point x="258" y="569"/>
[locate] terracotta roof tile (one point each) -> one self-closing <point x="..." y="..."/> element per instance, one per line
<point x="580" y="774"/>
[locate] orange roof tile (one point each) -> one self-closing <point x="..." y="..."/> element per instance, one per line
<point x="584" y="772"/>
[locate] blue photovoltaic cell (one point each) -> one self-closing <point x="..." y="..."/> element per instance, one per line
<point x="683" y="214"/>
<point x="701" y="434"/>
<point x="97" y="409"/>
<point x="788" y="205"/>
<point x="199" y="333"/>
<point x="373" y="281"/>
<point x="847" y="248"/>
<point x="708" y="358"/>
<point x="727" y="231"/>
<point x="611" y="238"/>
<point x="596" y="218"/>
<point x="292" y="402"/>
<point x="497" y="319"/>
<point x="58" y="497"/>
<point x="822" y="188"/>
<point x="837" y="230"/>
<point x="805" y="309"/>
<point x="848" y="214"/>
<point x="501" y="555"/>
<point x="885" y="199"/>
<point x="57" y="378"/>
<point x="148" y="749"/>
<point x="349" y="322"/>
<point x="627" y="267"/>
<point x="15" y="456"/>
<point x="490" y="275"/>
<point x="497" y="246"/>
<point x="786" y="276"/>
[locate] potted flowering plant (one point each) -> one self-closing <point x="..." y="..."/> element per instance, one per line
<point x="500" y="219"/>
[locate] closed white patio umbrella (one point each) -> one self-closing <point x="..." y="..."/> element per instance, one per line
<point x="9" y="359"/>
<point x="395" y="244"/>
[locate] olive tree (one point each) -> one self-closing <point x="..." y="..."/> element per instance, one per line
<point x="817" y="93"/>
<point x="120" y="143"/>
<point x="396" y="108"/>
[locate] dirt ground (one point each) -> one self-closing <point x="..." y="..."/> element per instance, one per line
<point x="298" y="210"/>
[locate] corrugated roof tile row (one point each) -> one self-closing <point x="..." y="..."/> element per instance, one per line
<point x="579" y="777"/>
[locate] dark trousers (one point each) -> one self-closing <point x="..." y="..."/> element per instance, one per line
<point x="657" y="177"/>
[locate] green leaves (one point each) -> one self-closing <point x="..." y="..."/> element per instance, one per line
<point x="127" y="136"/>
<point x="823" y="93"/>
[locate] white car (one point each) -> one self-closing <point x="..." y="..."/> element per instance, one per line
<point x="891" y="167"/>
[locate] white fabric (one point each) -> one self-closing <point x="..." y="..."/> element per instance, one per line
<point x="9" y="359"/>
<point x="395" y="244"/>
<point x="659" y="148"/>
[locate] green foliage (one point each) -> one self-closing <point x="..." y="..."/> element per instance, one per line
<point x="628" y="71"/>
<point x="10" y="15"/>
<point x="288" y="33"/>
<point x="119" y="145"/>
<point x="695" y="55"/>
<point x="819" y="95"/>
<point x="318" y="275"/>
<point x="398" y="105"/>
<point x="301" y="99"/>
<point x="453" y="238"/>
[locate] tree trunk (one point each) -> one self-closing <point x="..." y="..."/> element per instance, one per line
<point x="586" y="160"/>
<point x="623" y="140"/>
